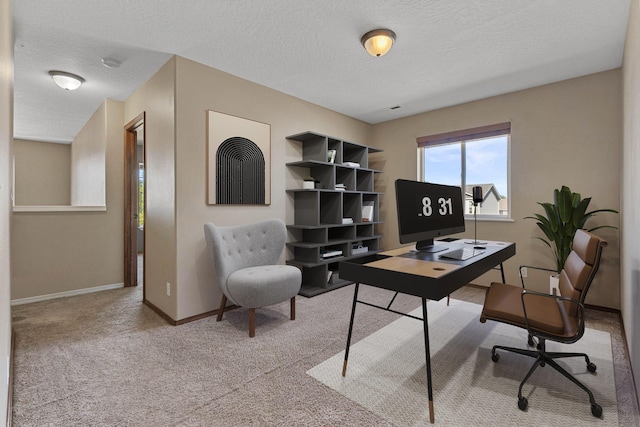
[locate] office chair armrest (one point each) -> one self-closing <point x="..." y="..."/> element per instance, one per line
<point x="536" y="332"/>
<point x="534" y="268"/>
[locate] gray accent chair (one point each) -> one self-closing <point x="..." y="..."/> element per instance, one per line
<point x="245" y="266"/>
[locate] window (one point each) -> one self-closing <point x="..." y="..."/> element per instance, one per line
<point x="471" y="158"/>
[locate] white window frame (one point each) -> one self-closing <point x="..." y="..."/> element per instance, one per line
<point x="465" y="136"/>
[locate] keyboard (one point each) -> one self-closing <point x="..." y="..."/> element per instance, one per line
<point x="462" y="254"/>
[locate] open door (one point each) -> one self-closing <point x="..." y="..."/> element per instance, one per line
<point x="134" y="202"/>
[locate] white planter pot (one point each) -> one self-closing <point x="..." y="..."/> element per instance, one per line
<point x="554" y="281"/>
<point x="308" y="185"/>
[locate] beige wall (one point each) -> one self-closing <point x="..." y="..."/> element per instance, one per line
<point x="42" y="173"/>
<point x="567" y="133"/>
<point x="53" y="174"/>
<point x="630" y="249"/>
<point x="156" y="98"/>
<point x="175" y="101"/>
<point x="6" y="135"/>
<point x="200" y="88"/>
<point x="88" y="172"/>
<point x="54" y="252"/>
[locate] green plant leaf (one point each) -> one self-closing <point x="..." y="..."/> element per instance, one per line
<point x="602" y="226"/>
<point x="547" y="232"/>
<point x="602" y="210"/>
<point x="578" y="212"/>
<point x="545" y="242"/>
<point x="553" y="217"/>
<point x="565" y="205"/>
<point x="575" y="199"/>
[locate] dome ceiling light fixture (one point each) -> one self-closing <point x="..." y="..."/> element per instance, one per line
<point x="378" y="42"/>
<point x="66" y="81"/>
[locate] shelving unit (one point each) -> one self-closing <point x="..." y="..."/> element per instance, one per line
<point x="318" y="226"/>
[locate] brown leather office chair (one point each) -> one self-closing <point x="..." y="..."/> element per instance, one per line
<point x="550" y="317"/>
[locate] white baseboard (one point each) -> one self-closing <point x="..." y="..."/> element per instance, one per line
<point x="39" y="298"/>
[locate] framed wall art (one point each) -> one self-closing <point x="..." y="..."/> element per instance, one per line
<point x="238" y="160"/>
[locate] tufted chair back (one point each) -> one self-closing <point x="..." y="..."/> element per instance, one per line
<point x="580" y="268"/>
<point x="241" y="246"/>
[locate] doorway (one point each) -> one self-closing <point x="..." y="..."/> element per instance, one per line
<point x="134" y="203"/>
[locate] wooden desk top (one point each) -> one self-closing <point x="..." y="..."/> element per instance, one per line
<point x="414" y="266"/>
<point x="431" y="278"/>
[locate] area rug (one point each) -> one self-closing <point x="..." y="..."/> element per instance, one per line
<point x="386" y="374"/>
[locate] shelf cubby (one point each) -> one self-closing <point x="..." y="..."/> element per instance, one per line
<point x="364" y="180"/>
<point x="346" y="176"/>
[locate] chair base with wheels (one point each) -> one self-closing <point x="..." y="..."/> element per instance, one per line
<point x="543" y="358"/>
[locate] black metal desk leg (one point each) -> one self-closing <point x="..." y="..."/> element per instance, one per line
<point x="353" y="312"/>
<point x="502" y="273"/>
<point x="428" y="359"/>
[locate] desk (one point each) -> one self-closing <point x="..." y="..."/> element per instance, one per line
<point x="428" y="278"/>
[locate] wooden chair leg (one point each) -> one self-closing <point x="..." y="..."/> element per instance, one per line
<point x="293" y="308"/>
<point x="223" y="302"/>
<point x="252" y="322"/>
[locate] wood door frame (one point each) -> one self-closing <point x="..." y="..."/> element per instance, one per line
<point x="131" y="202"/>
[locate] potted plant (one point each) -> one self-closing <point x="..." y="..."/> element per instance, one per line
<point x="562" y="219"/>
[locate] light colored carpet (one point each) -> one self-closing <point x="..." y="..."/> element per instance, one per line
<point x="386" y="374"/>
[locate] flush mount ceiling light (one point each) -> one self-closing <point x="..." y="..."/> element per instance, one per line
<point x="378" y="42"/>
<point x="66" y="80"/>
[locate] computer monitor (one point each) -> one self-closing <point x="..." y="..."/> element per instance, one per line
<point x="426" y="211"/>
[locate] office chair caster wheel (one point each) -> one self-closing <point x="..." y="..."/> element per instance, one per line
<point x="495" y="357"/>
<point x="591" y="367"/>
<point x="596" y="410"/>
<point x="530" y="341"/>
<point x="523" y="403"/>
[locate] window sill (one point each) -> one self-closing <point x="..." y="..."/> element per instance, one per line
<point x="488" y="218"/>
<point x="17" y="209"/>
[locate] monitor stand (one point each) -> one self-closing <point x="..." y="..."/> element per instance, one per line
<point x="429" y="246"/>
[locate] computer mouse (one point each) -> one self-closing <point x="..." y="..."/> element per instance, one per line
<point x="479" y="247"/>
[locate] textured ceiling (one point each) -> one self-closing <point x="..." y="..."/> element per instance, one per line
<point x="447" y="52"/>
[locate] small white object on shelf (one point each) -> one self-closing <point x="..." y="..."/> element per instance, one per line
<point x="351" y="164"/>
<point x="347" y="220"/>
<point x="331" y="156"/>
<point x="360" y="250"/>
<point x="333" y="277"/>
<point x="330" y="254"/>
<point x="367" y="211"/>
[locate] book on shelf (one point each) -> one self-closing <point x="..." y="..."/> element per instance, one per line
<point x="367" y="211"/>
<point x="341" y="187"/>
<point x="351" y="164"/>
<point x="330" y="253"/>
<point x="331" y="156"/>
<point x="333" y="277"/>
